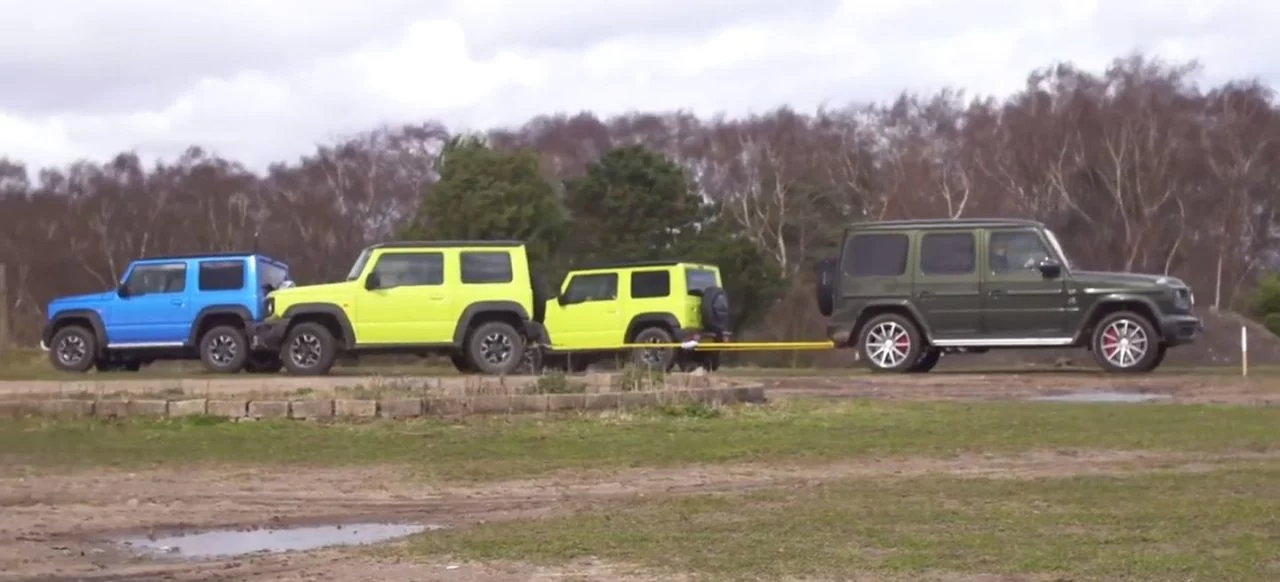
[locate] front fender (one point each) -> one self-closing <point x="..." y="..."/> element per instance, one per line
<point x="95" y="324"/>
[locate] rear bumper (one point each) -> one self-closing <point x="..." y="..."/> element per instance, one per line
<point x="268" y="335"/>
<point x="1180" y="329"/>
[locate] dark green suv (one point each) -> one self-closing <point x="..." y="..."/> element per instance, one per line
<point x="905" y="292"/>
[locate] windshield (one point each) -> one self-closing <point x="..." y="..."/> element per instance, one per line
<point x="357" y="268"/>
<point x="1053" y="240"/>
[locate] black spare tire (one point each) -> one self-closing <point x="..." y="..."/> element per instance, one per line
<point x="826" y="287"/>
<point x="715" y="310"/>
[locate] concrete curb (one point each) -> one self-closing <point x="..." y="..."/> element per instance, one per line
<point x="339" y="408"/>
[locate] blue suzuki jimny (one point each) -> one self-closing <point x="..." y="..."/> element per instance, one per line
<point x="168" y="308"/>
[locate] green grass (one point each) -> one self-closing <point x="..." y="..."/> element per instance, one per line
<point x="494" y="448"/>
<point x="1222" y="525"/>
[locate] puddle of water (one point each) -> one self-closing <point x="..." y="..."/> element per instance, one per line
<point x="1102" y="397"/>
<point x="227" y="543"/>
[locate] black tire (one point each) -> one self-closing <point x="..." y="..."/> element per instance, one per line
<point x="224" y="349"/>
<point x="656" y="358"/>
<point x="263" y="363"/>
<point x="495" y="348"/>
<point x="1117" y="356"/>
<point x="826" y="285"/>
<point x="928" y="359"/>
<point x="73" y="349"/>
<point x="309" y="349"/>
<point x="883" y="330"/>
<point x="1159" y="356"/>
<point x="714" y="311"/>
<point x="462" y="364"/>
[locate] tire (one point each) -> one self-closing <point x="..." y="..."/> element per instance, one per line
<point x="1159" y="356"/>
<point x="896" y="333"/>
<point x="1118" y="356"/>
<point x="495" y="348"/>
<point x="263" y="363"/>
<point x="714" y="311"/>
<point x="224" y="349"/>
<point x="927" y="361"/>
<point x="73" y="349"/>
<point x="826" y="285"/>
<point x="461" y="364"/>
<point x="309" y="349"/>
<point x="656" y="358"/>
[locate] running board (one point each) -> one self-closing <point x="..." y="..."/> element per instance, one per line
<point x="1003" y="343"/>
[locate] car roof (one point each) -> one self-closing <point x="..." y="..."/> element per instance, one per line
<point x="927" y="223"/>
<point x="436" y="244"/>
<point x="205" y="256"/>
<point x="640" y="264"/>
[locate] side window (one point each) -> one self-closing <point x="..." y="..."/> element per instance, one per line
<point x="220" y="275"/>
<point x="401" y="269"/>
<point x="486" y="267"/>
<point x="1015" y="250"/>
<point x="648" y="284"/>
<point x="597" y="287"/>
<point x="876" y="255"/>
<point x="161" y="278"/>
<point x="949" y="253"/>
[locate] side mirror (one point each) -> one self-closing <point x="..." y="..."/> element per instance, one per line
<point x="122" y="292"/>
<point x="1050" y="268"/>
<point x="373" y="281"/>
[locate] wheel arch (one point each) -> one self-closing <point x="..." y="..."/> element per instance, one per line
<point x="1142" y="306"/>
<point x="484" y="311"/>
<point x="661" y="319"/>
<point x="873" y="309"/>
<point x="84" y="317"/>
<point x="327" y="314"/>
<point x="212" y="315"/>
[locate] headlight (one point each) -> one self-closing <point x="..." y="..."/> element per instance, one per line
<point x="1182" y="298"/>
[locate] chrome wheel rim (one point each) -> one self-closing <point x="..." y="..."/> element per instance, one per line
<point x="652" y="356"/>
<point x="888" y="344"/>
<point x="222" y="349"/>
<point x="304" y="350"/>
<point x="1123" y="343"/>
<point x="72" y="350"/>
<point x="496" y="348"/>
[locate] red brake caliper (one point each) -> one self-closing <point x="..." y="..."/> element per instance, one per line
<point x="1110" y="342"/>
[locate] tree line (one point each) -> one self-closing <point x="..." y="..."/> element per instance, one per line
<point x="1136" y="167"/>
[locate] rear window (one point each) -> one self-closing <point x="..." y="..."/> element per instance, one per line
<point x="221" y="275"/>
<point x="876" y="255"/>
<point x="271" y="276"/>
<point x="697" y="280"/>
<point x="486" y="267"/>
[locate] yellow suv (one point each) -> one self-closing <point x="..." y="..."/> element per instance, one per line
<point x="599" y="308"/>
<point x="471" y="300"/>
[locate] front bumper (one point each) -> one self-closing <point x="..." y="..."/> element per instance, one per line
<point x="46" y="336"/>
<point x="268" y="335"/>
<point x="1180" y="329"/>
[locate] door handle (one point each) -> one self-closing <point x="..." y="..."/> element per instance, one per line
<point x="436" y="297"/>
<point x="177" y="302"/>
<point x="925" y="294"/>
<point x="996" y="293"/>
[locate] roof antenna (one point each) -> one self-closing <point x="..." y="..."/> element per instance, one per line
<point x="255" y="242"/>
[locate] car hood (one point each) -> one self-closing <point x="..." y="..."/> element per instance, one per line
<point x="82" y="299"/>
<point x="1111" y="281"/>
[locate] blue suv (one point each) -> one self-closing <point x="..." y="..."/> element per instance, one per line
<point x="167" y="308"/>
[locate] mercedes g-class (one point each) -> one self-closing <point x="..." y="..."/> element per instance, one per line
<point x="904" y="292"/>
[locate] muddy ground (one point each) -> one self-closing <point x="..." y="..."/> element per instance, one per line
<point x="62" y="526"/>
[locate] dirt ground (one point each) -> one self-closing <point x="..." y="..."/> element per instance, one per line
<point x="62" y="527"/>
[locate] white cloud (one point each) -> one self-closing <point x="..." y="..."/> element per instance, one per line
<point x="263" y="81"/>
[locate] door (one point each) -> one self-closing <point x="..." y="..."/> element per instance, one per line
<point x="1019" y="301"/>
<point x="948" y="289"/>
<point x="404" y="301"/>
<point x="153" y="311"/>
<point x="586" y="314"/>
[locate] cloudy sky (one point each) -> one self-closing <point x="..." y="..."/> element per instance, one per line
<point x="263" y="80"/>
